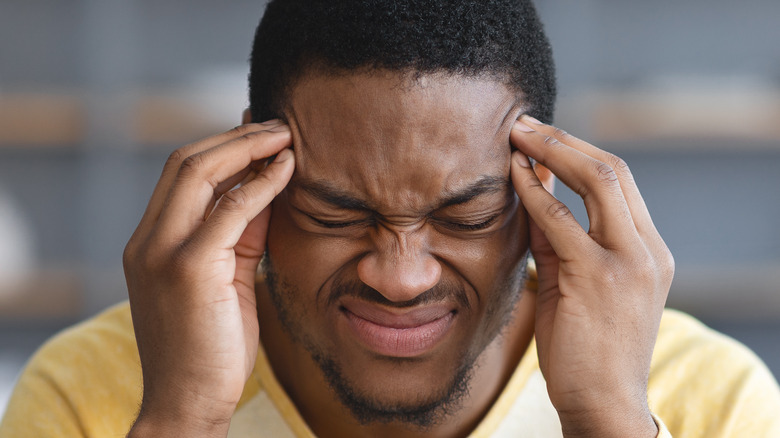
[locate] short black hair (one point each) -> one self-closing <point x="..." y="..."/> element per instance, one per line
<point x="499" y="38"/>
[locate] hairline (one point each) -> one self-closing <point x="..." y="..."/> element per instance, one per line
<point x="408" y="76"/>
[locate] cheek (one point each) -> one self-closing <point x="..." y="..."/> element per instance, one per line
<point x="488" y="262"/>
<point x="300" y="258"/>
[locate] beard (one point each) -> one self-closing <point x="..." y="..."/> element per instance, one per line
<point x="422" y="411"/>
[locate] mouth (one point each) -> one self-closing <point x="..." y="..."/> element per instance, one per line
<point x="396" y="333"/>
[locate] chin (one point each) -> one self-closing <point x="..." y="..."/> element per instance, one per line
<point x="414" y="392"/>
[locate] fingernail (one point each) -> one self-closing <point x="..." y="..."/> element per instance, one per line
<point x="272" y="122"/>
<point x="526" y="117"/>
<point x="520" y="126"/>
<point x="521" y="159"/>
<point x="283" y="156"/>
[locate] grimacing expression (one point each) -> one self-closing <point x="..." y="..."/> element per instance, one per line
<point x="396" y="254"/>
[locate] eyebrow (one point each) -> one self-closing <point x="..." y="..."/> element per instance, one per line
<point x="484" y="185"/>
<point x="326" y="192"/>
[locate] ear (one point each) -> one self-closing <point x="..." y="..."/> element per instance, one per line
<point x="545" y="176"/>
<point x="246" y="116"/>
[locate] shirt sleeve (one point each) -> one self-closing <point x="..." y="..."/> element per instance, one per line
<point x="705" y="384"/>
<point x="84" y="382"/>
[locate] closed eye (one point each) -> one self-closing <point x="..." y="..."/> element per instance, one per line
<point x="335" y="224"/>
<point x="457" y="226"/>
<point x="471" y="226"/>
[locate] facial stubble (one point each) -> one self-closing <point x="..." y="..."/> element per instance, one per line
<point x="422" y="411"/>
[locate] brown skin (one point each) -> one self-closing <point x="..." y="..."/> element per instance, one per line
<point x="403" y="154"/>
<point x="401" y="147"/>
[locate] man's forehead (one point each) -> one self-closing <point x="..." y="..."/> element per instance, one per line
<point x="436" y="104"/>
<point x="412" y="145"/>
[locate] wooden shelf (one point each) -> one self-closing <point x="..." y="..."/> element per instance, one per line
<point x="715" y="120"/>
<point x="43" y="295"/>
<point x="38" y="119"/>
<point x="699" y="119"/>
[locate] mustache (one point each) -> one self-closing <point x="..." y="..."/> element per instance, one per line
<point x="443" y="291"/>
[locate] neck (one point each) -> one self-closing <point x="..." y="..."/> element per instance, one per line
<point x="319" y="407"/>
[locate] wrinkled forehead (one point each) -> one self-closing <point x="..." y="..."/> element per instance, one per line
<point x="389" y="136"/>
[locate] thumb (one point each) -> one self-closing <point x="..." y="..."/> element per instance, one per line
<point x="251" y="246"/>
<point x="544" y="255"/>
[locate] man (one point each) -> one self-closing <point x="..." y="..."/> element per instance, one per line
<point x="391" y="204"/>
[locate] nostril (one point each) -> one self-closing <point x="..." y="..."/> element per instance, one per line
<point x="399" y="280"/>
<point x="400" y="266"/>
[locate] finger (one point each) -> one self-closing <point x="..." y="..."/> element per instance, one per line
<point x="554" y="219"/>
<point x="242" y="177"/>
<point x="238" y="208"/>
<point x="634" y="200"/>
<point x="595" y="181"/>
<point x="172" y="165"/>
<point x="545" y="176"/>
<point x="202" y="176"/>
<point x="250" y="248"/>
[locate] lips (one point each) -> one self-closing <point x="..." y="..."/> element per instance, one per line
<point x="396" y="333"/>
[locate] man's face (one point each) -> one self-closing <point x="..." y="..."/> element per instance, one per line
<point x="396" y="253"/>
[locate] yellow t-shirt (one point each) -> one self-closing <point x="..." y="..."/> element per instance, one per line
<point x="87" y="382"/>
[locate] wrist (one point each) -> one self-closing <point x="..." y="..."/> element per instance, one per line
<point x="150" y="427"/>
<point x="176" y="420"/>
<point x="618" y="422"/>
<point x="164" y="426"/>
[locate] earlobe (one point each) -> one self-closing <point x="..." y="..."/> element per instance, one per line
<point x="545" y="176"/>
<point x="246" y="116"/>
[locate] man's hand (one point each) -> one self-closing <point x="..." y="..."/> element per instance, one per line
<point x="601" y="292"/>
<point x="190" y="269"/>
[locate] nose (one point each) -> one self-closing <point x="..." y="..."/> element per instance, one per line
<point x="401" y="266"/>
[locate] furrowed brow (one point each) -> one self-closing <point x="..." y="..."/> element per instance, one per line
<point x="332" y="195"/>
<point x="340" y="199"/>
<point x="484" y="185"/>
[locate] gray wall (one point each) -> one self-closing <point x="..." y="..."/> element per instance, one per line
<point x="715" y="199"/>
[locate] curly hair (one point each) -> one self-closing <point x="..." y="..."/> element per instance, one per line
<point x="502" y="39"/>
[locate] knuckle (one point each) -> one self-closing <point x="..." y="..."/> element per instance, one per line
<point x="620" y="166"/>
<point x="143" y="261"/>
<point x="241" y="130"/>
<point x="613" y="278"/>
<point x="136" y="252"/>
<point x="175" y="158"/>
<point x="653" y="267"/>
<point x="192" y="164"/>
<point x="667" y="264"/>
<point x="234" y="200"/>
<point x="550" y="140"/>
<point x="561" y="135"/>
<point x="129" y="254"/>
<point x="605" y="172"/>
<point x="147" y="262"/>
<point x="617" y="163"/>
<point x="558" y="210"/>
<point x="255" y="136"/>
<point x="647" y="269"/>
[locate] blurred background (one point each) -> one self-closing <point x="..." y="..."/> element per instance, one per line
<point x="94" y="95"/>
